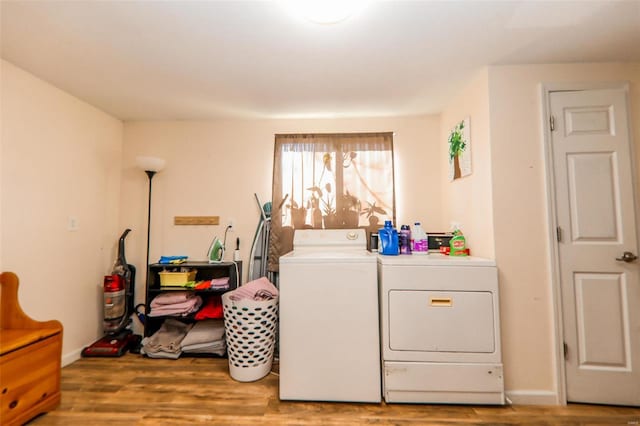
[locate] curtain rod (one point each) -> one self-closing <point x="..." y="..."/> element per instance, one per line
<point x="315" y="135"/>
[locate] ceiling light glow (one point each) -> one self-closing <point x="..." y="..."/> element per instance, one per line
<point x="324" y="11"/>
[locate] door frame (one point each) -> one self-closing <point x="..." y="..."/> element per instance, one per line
<point x="554" y="260"/>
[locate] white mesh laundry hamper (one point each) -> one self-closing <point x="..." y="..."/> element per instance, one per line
<point x="250" y="328"/>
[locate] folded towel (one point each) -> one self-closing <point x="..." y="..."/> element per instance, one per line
<point x="206" y="331"/>
<point x="172" y="259"/>
<point x="171" y="297"/>
<point x="163" y="355"/>
<point x="201" y="347"/>
<point x="260" y="289"/>
<point x="224" y="281"/>
<point x="212" y="349"/>
<point x="184" y="308"/>
<point x="168" y="337"/>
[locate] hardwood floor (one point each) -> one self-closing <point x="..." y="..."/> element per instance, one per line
<point x="134" y="390"/>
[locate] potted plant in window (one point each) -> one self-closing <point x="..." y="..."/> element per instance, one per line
<point x="328" y="211"/>
<point x="298" y="214"/>
<point x="350" y="210"/>
<point x="314" y="205"/>
<point x="370" y="213"/>
<point x="323" y="213"/>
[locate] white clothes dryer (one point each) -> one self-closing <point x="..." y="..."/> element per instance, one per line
<point x="329" y="322"/>
<point x="440" y="330"/>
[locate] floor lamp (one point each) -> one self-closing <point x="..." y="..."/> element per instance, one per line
<point x="151" y="166"/>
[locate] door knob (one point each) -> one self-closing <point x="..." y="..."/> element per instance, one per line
<point x="627" y="256"/>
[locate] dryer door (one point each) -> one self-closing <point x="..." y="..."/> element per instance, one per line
<point x="441" y="321"/>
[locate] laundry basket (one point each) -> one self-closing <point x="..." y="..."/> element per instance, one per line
<point x="250" y="329"/>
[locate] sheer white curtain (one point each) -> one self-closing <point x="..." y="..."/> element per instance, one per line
<point x="330" y="181"/>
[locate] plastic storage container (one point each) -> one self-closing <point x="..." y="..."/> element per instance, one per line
<point x="388" y="239"/>
<point x="177" y="279"/>
<point x="250" y="328"/>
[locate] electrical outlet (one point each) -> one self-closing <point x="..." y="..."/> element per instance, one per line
<point x="72" y="224"/>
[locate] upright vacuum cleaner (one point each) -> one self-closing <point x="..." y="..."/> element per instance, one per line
<point x="118" y="294"/>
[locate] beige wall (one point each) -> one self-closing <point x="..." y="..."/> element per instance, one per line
<point x="215" y="167"/>
<point x="68" y="159"/>
<point x="520" y="213"/>
<point x="467" y="201"/>
<point x="60" y="157"/>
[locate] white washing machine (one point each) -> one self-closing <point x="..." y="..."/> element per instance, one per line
<point x="329" y="322"/>
<point x="440" y="330"/>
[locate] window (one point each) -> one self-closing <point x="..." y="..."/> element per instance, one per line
<point x="329" y="181"/>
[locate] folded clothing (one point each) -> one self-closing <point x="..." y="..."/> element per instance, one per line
<point x="220" y="345"/>
<point x="205" y="337"/>
<point x="219" y="283"/>
<point x="260" y="289"/>
<point x="171" y="297"/>
<point x="206" y="348"/>
<point x="166" y="341"/>
<point x="183" y="308"/>
<point x="205" y="331"/>
<point x="212" y="308"/>
<point x="172" y="259"/>
<point x="163" y="354"/>
<point x="203" y="285"/>
<point x="215" y="283"/>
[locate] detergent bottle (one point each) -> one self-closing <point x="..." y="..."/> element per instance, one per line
<point x="388" y="239"/>
<point x="405" y="239"/>
<point x="458" y="244"/>
<point x="420" y="240"/>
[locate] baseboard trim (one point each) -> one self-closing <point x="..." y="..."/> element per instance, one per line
<point x="71" y="357"/>
<point x="532" y="397"/>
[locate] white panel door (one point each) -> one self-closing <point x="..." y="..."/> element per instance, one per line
<point x="597" y="246"/>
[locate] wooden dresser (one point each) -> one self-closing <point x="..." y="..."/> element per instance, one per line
<point x="30" y="359"/>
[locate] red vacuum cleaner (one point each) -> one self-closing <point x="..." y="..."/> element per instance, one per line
<point x="118" y="292"/>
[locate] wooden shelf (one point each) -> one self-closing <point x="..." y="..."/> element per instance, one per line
<point x="204" y="271"/>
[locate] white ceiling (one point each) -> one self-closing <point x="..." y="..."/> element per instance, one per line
<point x="156" y="60"/>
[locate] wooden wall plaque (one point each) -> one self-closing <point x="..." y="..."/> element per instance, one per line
<point x="196" y="220"/>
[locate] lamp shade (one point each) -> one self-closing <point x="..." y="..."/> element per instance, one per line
<point x="150" y="164"/>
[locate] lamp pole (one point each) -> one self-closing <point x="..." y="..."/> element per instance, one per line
<point x="151" y="166"/>
<point x="150" y="174"/>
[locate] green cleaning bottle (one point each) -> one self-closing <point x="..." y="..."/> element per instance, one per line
<point x="458" y="244"/>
